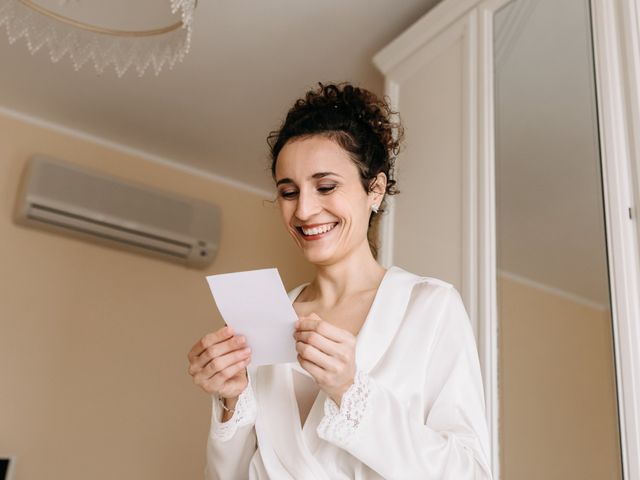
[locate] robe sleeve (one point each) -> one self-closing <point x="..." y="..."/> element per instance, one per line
<point x="231" y="444"/>
<point x="448" y="440"/>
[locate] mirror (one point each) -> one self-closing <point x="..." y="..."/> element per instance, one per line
<point x="559" y="415"/>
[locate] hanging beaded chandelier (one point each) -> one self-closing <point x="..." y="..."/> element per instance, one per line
<point x="66" y="27"/>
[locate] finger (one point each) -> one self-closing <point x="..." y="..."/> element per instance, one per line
<point x="314" y="370"/>
<point x="208" y="340"/>
<point x="220" y="363"/>
<point x="219" y="349"/>
<point x="220" y="378"/>
<point x="312" y="354"/>
<point x="315" y="323"/>
<point x="219" y="382"/>
<point x="322" y="343"/>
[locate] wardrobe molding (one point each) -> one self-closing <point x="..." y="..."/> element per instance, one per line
<point x="615" y="92"/>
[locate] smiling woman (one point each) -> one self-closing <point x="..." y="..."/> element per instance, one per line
<point x="321" y="200"/>
<point x="355" y="120"/>
<point x="386" y="359"/>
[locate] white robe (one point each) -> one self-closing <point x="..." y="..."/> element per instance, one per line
<point x="415" y="411"/>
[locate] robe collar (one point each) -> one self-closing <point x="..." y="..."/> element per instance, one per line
<point x="384" y="317"/>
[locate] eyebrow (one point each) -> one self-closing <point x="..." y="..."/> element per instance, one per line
<point x="315" y="175"/>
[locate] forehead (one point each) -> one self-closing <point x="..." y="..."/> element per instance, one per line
<point x="306" y="156"/>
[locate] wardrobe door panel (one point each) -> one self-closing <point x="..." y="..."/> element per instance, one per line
<point x="427" y="222"/>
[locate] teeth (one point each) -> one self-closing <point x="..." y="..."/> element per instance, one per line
<point x="318" y="230"/>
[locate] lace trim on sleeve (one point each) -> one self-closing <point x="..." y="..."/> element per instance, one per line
<point x="244" y="414"/>
<point x="340" y="424"/>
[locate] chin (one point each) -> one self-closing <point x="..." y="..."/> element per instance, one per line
<point x="320" y="257"/>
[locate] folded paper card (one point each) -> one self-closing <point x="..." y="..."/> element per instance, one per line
<point x="255" y="304"/>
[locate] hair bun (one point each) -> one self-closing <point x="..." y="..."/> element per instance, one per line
<point x="374" y="130"/>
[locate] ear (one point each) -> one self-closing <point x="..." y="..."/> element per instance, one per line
<point x="377" y="189"/>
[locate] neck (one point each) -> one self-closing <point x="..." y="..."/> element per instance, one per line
<point x="353" y="274"/>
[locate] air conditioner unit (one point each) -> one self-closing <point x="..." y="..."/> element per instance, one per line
<point x="62" y="197"/>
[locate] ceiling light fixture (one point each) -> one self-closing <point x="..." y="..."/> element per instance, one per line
<point x="65" y="34"/>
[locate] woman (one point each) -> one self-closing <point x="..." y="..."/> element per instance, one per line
<point x="387" y="383"/>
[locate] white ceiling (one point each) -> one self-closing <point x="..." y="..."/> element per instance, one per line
<point x="249" y="61"/>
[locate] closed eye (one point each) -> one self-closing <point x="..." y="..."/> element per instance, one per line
<point x="288" y="193"/>
<point x="326" y="188"/>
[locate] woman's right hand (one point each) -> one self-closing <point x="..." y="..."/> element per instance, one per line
<point x="218" y="363"/>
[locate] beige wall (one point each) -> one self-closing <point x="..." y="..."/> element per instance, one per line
<point x="557" y="403"/>
<point x="93" y="340"/>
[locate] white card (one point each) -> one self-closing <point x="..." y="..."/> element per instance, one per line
<point x="255" y="304"/>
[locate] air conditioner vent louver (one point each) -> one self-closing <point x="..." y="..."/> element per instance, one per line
<point x="107" y="231"/>
<point x="62" y="197"/>
<point x="114" y="199"/>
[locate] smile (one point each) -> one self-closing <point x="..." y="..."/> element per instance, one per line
<point x="316" y="230"/>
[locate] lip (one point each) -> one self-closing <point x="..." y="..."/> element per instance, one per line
<point x="313" y="225"/>
<point x="317" y="236"/>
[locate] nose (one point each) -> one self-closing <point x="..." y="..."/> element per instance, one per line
<point x="307" y="205"/>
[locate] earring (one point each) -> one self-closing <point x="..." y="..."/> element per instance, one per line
<point x="374" y="207"/>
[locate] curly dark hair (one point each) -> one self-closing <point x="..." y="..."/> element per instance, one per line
<point x="357" y="120"/>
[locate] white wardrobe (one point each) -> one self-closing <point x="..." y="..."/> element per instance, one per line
<point x="441" y="75"/>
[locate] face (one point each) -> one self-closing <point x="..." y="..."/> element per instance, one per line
<point x="323" y="204"/>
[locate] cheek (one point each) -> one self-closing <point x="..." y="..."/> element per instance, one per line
<point x="355" y="206"/>
<point x="355" y="214"/>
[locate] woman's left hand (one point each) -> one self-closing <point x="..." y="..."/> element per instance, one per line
<point x="328" y="353"/>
